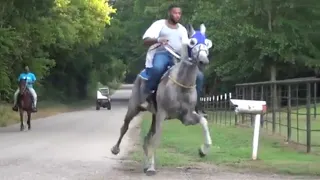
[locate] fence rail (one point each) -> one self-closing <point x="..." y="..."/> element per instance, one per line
<point x="292" y="109"/>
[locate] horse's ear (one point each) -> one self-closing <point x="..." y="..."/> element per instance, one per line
<point x="190" y="30"/>
<point x="203" y="29"/>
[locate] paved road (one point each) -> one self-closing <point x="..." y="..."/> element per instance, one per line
<point x="69" y="146"/>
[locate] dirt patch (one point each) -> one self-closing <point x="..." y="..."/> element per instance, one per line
<point x="133" y="170"/>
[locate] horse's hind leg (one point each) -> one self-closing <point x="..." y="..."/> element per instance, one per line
<point x="131" y="113"/>
<point x="29" y="120"/>
<point x="154" y="140"/>
<point x="21" y="120"/>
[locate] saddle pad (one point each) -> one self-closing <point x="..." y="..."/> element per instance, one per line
<point x="144" y="75"/>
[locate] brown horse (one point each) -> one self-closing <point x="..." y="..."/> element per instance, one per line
<point x="24" y="103"/>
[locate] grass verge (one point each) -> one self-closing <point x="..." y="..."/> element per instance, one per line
<point x="45" y="109"/>
<point x="296" y="125"/>
<point x="231" y="147"/>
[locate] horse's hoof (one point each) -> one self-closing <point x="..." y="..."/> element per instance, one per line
<point x="115" y="150"/>
<point x="151" y="172"/>
<point x="201" y="154"/>
<point x="145" y="170"/>
<point x="21" y="128"/>
<point x="29" y="128"/>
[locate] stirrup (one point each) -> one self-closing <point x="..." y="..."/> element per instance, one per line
<point x="144" y="104"/>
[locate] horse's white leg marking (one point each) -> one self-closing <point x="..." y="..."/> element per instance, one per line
<point x="151" y="163"/>
<point x="155" y="139"/>
<point x="146" y="162"/>
<point x="205" y="147"/>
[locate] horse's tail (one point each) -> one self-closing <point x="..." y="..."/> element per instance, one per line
<point x="137" y="86"/>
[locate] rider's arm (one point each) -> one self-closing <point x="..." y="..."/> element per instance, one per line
<point x="33" y="78"/>
<point x="150" y="41"/>
<point x="184" y="33"/>
<point x="20" y="77"/>
<point x="151" y="35"/>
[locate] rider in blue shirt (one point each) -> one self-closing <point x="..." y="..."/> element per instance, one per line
<point x="31" y="78"/>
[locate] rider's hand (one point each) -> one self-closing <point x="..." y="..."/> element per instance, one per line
<point x="162" y="40"/>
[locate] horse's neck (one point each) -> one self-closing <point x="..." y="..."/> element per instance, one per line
<point x="186" y="73"/>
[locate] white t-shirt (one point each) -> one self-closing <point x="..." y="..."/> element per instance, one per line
<point x="155" y="31"/>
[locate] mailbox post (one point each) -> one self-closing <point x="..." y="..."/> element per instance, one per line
<point x="251" y="107"/>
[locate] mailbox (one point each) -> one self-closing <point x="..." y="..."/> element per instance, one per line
<point x="249" y="106"/>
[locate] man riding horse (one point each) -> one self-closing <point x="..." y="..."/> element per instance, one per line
<point x="31" y="78"/>
<point x="165" y="32"/>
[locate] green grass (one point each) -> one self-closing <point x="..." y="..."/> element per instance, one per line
<point x="298" y="120"/>
<point x="231" y="147"/>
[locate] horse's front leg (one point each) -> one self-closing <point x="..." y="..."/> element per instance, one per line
<point x="21" y="120"/>
<point x="153" y="141"/>
<point x="205" y="148"/>
<point x="192" y="118"/>
<point x="29" y="120"/>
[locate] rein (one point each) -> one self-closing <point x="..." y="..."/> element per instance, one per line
<point x="181" y="85"/>
<point x="24" y="89"/>
<point x="170" y="50"/>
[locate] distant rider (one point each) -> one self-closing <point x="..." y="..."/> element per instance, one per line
<point x="31" y="78"/>
<point x="165" y="31"/>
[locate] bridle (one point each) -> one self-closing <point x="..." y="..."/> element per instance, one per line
<point x="25" y="86"/>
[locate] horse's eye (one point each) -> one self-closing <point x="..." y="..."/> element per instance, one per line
<point x="193" y="42"/>
<point x="208" y="43"/>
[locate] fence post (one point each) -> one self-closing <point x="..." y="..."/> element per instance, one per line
<point x="225" y="108"/>
<point x="274" y="104"/>
<point x="261" y="98"/>
<point x="315" y="100"/>
<point x="308" y="123"/>
<point x="243" y="97"/>
<point x="235" y="115"/>
<point x="217" y="107"/>
<point x="289" y="114"/>
<point x="252" y="97"/>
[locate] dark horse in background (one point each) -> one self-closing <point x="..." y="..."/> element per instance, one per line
<point x="24" y="103"/>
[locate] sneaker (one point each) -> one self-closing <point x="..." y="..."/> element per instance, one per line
<point x="15" y="108"/>
<point x="144" y="105"/>
<point x="34" y="109"/>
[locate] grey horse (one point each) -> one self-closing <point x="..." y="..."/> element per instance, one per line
<point x="175" y="98"/>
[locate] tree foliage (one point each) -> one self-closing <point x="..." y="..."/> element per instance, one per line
<point x="254" y="40"/>
<point x="57" y="39"/>
<point x="72" y="44"/>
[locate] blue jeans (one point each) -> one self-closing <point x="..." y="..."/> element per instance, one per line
<point x="199" y="84"/>
<point x="161" y="62"/>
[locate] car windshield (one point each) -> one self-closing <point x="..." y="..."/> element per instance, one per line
<point x="104" y="91"/>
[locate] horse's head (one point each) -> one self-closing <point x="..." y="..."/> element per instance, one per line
<point x="22" y="85"/>
<point x="198" y="44"/>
